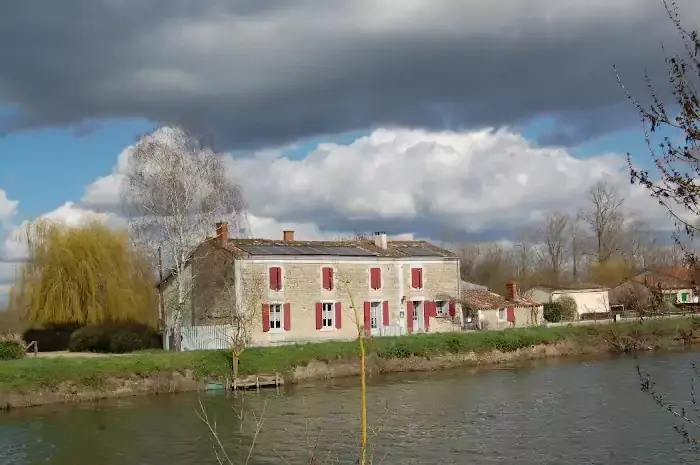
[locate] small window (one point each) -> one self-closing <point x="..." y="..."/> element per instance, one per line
<point x="328" y="315"/>
<point x="501" y="314"/>
<point x="684" y="297"/>
<point x="416" y="306"/>
<point x="442" y="308"/>
<point x="276" y="316"/>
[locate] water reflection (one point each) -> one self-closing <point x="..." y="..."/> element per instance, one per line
<point x="552" y="413"/>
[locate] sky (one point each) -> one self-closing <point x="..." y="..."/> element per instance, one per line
<point x="440" y="119"/>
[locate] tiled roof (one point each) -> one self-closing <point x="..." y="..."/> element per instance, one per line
<point x="669" y="278"/>
<point x="570" y="287"/>
<point x="487" y="300"/>
<point x="358" y="248"/>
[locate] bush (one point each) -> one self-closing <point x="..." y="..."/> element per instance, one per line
<point x="11" y="350"/>
<point x="116" y="338"/>
<point x="569" y="308"/>
<point x="51" y="338"/>
<point x="553" y="312"/>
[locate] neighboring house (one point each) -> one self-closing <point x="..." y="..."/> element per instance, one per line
<point x="674" y="285"/>
<point x="589" y="298"/>
<point x="299" y="287"/>
<point x="495" y="311"/>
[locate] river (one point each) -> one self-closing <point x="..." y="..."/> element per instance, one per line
<point x="560" y="412"/>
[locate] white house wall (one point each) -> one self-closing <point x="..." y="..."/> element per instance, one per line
<point x="587" y="301"/>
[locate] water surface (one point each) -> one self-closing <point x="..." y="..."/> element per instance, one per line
<point x="583" y="412"/>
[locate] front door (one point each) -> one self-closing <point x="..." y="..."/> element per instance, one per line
<point x="375" y="318"/>
<point x="418" y="315"/>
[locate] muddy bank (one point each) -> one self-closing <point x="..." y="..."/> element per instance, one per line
<point x="186" y="381"/>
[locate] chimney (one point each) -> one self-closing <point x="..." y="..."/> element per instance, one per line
<point x="222" y="232"/>
<point x="288" y="235"/>
<point x="511" y="290"/>
<point x="380" y="240"/>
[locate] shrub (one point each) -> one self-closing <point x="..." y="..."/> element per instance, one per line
<point x="12" y="350"/>
<point x="396" y="350"/>
<point x="569" y="308"/>
<point x="553" y="312"/>
<point x="51" y="338"/>
<point x="115" y="338"/>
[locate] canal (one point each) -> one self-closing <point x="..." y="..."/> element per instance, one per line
<point x="562" y="412"/>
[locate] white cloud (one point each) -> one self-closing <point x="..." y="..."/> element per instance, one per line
<point x="7" y="207"/>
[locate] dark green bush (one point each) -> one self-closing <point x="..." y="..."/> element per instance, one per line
<point x="116" y="338"/>
<point x="12" y="350"/>
<point x="569" y="308"/>
<point x="396" y="350"/>
<point x="553" y="312"/>
<point x="51" y="338"/>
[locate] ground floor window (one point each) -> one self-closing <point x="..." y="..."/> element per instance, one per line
<point x="276" y="316"/>
<point x="442" y="308"/>
<point x="327" y="315"/>
<point x="501" y="314"/>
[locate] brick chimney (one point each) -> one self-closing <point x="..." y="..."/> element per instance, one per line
<point x="288" y="235"/>
<point x="380" y="240"/>
<point x="222" y="232"/>
<point x="511" y="290"/>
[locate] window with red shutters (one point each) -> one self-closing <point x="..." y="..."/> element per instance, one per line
<point x="327" y="278"/>
<point x="275" y="278"/>
<point x="417" y="278"/>
<point x="375" y="278"/>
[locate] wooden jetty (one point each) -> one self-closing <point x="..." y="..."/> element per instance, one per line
<point x="257" y="381"/>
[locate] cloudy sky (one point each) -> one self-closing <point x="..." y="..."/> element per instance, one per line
<point x="447" y="119"/>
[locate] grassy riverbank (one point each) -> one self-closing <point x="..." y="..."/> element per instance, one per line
<point x="34" y="381"/>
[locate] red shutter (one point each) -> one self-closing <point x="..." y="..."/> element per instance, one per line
<point x="287" y="317"/>
<point x="367" y="323"/>
<point x="327" y="278"/>
<point x="338" y="315"/>
<point x="375" y="278"/>
<point x="416" y="278"/>
<point x="266" y="317"/>
<point x="273" y="278"/>
<point x="279" y="278"/>
<point x="511" y="314"/>
<point x="453" y="310"/>
<point x="426" y="315"/>
<point x="420" y="278"/>
<point x="385" y="312"/>
<point x="319" y="315"/>
<point x="409" y="316"/>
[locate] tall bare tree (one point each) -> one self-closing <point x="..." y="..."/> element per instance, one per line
<point x="176" y="190"/>
<point x="604" y="217"/>
<point x="675" y="184"/>
<point x="554" y="236"/>
<point x="577" y="243"/>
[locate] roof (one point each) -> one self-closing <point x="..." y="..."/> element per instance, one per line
<point x="487" y="300"/>
<point x="571" y="287"/>
<point x="356" y="248"/>
<point x="666" y="278"/>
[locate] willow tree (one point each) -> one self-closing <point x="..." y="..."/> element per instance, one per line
<point x="87" y="274"/>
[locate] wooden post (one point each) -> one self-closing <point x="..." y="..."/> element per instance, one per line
<point x="257" y="383"/>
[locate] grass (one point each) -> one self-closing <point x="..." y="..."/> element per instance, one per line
<point x="47" y="373"/>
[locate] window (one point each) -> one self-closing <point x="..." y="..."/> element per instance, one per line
<point x="275" y="278"/>
<point x="327" y="315"/>
<point x="375" y="313"/>
<point x="417" y="278"/>
<point x="684" y="297"/>
<point x="442" y="308"/>
<point x="375" y="278"/>
<point x="416" y="307"/>
<point x="327" y="278"/>
<point x="501" y="314"/>
<point x="276" y="316"/>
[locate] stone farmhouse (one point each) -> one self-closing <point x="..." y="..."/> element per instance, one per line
<point x="304" y="290"/>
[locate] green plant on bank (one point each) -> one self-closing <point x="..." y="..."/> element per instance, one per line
<point x="36" y="373"/>
<point x="12" y="350"/>
<point x="569" y="308"/>
<point x="115" y="338"/>
<point x="552" y="312"/>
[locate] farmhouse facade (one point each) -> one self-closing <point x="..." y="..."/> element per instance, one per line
<point x="494" y="311"/>
<point x="666" y="285"/>
<point x="320" y="290"/>
<point x="589" y="298"/>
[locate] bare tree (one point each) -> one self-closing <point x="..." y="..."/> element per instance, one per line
<point x="675" y="184"/>
<point x="604" y="218"/>
<point x="553" y="235"/>
<point x="176" y="190"/>
<point x="577" y="244"/>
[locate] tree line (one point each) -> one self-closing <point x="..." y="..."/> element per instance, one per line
<point x="602" y="243"/>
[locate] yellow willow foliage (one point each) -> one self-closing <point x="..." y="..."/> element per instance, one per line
<point x="88" y="274"/>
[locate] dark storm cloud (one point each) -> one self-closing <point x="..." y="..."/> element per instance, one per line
<point x="253" y="73"/>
